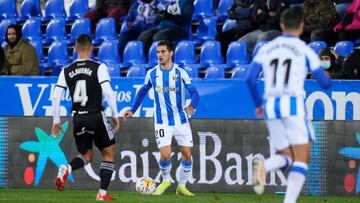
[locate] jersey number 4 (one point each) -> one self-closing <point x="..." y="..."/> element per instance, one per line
<point x="80" y="92"/>
<point x="286" y="64"/>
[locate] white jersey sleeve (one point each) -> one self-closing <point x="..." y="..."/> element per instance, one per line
<point x="312" y="60"/>
<point x="110" y="96"/>
<point x="59" y="90"/>
<point x="103" y="74"/>
<point x="61" y="80"/>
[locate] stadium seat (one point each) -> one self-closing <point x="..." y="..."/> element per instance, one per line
<point x="223" y="7"/>
<point x="211" y="54"/>
<point x="203" y="8"/>
<point x="123" y="27"/>
<point x="58" y="56"/>
<point x="30" y="8"/>
<point x="215" y="72"/>
<point x="136" y="71"/>
<point x="54" y="9"/>
<point x="257" y="47"/>
<point x="185" y="53"/>
<point x="193" y="71"/>
<point x="229" y="24"/>
<point x="317" y="46"/>
<point x="108" y="52"/>
<point x="105" y="30"/>
<point x="207" y="29"/>
<point x="240" y="72"/>
<point x="344" y="48"/>
<point x="38" y="45"/>
<point x="77" y="9"/>
<point x="80" y="26"/>
<point x="55" y="30"/>
<point x="114" y="70"/>
<point x="153" y="59"/>
<point x="8" y="9"/>
<point x="32" y="29"/>
<point x="4" y="24"/>
<point x="134" y="53"/>
<point x="237" y="54"/>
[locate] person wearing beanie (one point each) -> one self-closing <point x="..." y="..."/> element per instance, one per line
<point x="329" y="64"/>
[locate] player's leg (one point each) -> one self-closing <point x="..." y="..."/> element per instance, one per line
<point x="183" y="136"/>
<point x="301" y="135"/>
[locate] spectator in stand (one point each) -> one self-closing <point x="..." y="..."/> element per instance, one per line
<point x="349" y="27"/>
<point x="108" y="9"/>
<point x="329" y="64"/>
<point x="20" y="56"/>
<point x="142" y="16"/>
<point x="175" y="20"/>
<point x="266" y="16"/>
<point x="351" y="66"/>
<point x="320" y="17"/>
<point x="240" y="11"/>
<point x="2" y="58"/>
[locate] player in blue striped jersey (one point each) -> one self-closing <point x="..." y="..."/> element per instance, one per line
<point x="285" y="62"/>
<point x="169" y="83"/>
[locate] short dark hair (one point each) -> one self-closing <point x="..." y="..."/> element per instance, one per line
<point x="166" y="43"/>
<point x="83" y="41"/>
<point x="291" y="18"/>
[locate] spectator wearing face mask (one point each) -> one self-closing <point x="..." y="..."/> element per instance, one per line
<point x="142" y="16"/>
<point x="328" y="63"/>
<point x="20" y="56"/>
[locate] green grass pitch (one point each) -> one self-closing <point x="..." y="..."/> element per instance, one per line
<point x="43" y="195"/>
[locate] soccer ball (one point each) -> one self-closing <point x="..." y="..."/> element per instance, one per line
<point x="145" y="186"/>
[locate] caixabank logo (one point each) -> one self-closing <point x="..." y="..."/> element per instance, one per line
<point x="45" y="148"/>
<point x="351" y="182"/>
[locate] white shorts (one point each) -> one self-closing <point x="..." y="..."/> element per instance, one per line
<point x="165" y="133"/>
<point x="288" y="131"/>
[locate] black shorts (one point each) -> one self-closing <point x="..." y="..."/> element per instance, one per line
<point x="92" y="127"/>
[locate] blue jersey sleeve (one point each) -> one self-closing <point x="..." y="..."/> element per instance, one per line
<point x="320" y="76"/>
<point x="251" y="79"/>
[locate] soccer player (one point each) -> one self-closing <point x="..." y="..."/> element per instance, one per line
<point x="87" y="81"/>
<point x="171" y="118"/>
<point x="285" y="62"/>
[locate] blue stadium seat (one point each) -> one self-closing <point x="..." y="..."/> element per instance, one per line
<point x="30" y="8"/>
<point x="215" y="72"/>
<point x="153" y="59"/>
<point x="185" y="53"/>
<point x="317" y="46"/>
<point x="223" y="7"/>
<point x="193" y="71"/>
<point x="105" y="30"/>
<point x="134" y="53"/>
<point x="8" y="9"/>
<point x="80" y="26"/>
<point x="211" y="54"/>
<point x="32" y="29"/>
<point x="207" y="29"/>
<point x="77" y="9"/>
<point x="4" y="24"/>
<point x="229" y="24"/>
<point x="237" y="54"/>
<point x="240" y="72"/>
<point x="55" y="30"/>
<point x="136" y="71"/>
<point x="38" y="45"/>
<point x="114" y="70"/>
<point x="344" y="48"/>
<point x="203" y="8"/>
<point x="54" y="9"/>
<point x="257" y="47"/>
<point x="108" y="52"/>
<point x="58" y="56"/>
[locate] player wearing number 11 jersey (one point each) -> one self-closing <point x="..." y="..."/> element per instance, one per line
<point x="285" y="62"/>
<point x="87" y="81"/>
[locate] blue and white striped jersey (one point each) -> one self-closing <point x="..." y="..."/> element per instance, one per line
<point x="285" y="61"/>
<point x="169" y="94"/>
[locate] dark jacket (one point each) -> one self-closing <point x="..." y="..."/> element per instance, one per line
<point x="263" y="19"/>
<point x="351" y="66"/>
<point x="183" y="20"/>
<point x="104" y="4"/>
<point x="319" y="14"/>
<point x="241" y="11"/>
<point x="2" y="58"/>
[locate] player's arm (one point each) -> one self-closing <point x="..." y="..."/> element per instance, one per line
<point x="56" y="98"/>
<point x="313" y="65"/>
<point x="194" y="94"/>
<point x="139" y="97"/>
<point x="110" y="97"/>
<point x="251" y="79"/>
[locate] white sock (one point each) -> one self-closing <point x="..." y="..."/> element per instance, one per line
<point x="69" y="168"/>
<point x="185" y="170"/>
<point x="165" y="168"/>
<point x="295" y="181"/>
<point x="102" y="192"/>
<point x="277" y="161"/>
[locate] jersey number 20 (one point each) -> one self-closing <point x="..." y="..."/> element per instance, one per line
<point x="80" y="92"/>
